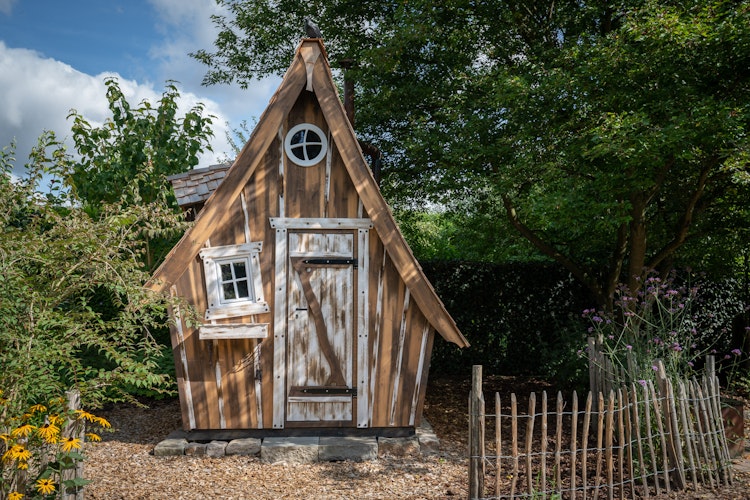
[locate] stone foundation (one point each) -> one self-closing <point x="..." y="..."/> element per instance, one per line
<point x="308" y="449"/>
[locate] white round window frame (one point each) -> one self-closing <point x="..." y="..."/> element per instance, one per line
<point x="310" y="161"/>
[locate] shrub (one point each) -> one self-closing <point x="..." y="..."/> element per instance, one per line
<point x="668" y="320"/>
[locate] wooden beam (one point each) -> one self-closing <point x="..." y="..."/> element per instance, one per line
<point x="235" y="180"/>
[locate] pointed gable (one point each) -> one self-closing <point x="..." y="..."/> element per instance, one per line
<point x="310" y="72"/>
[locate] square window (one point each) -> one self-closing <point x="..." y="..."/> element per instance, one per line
<point x="233" y="282"/>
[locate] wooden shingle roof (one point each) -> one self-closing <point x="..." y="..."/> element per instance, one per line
<point x="194" y="187"/>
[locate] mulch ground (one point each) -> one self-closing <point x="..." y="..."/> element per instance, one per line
<point x="123" y="467"/>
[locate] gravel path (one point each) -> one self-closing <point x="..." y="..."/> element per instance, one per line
<point x="122" y="467"/>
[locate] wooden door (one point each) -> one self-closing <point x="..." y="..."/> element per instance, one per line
<point x="320" y="327"/>
<point x="321" y="347"/>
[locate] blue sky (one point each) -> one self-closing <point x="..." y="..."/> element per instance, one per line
<point x="55" y="55"/>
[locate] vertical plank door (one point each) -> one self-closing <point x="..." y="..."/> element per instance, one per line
<point x="321" y="340"/>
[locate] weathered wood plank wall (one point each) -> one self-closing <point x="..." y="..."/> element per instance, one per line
<point x="230" y="383"/>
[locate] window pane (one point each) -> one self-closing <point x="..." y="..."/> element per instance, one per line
<point x="313" y="150"/>
<point x="299" y="137"/>
<point x="312" y="137"/>
<point x="229" y="291"/>
<point x="299" y="151"/>
<point x="239" y="270"/>
<point x="226" y="272"/>
<point x="242" y="291"/>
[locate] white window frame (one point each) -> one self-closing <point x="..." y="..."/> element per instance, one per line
<point x="213" y="258"/>
<point x="289" y="147"/>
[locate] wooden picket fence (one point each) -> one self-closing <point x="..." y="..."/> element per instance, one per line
<point x="636" y="441"/>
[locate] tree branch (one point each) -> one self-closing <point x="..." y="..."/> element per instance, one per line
<point x="581" y="274"/>
<point x="683" y="227"/>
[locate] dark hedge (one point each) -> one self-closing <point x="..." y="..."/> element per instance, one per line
<point x="525" y="318"/>
<point x="520" y="318"/>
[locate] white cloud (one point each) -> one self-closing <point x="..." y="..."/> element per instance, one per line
<point x="186" y="28"/>
<point x="6" y="6"/>
<point x="37" y="94"/>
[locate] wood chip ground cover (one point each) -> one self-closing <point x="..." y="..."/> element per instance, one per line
<point x="123" y="467"/>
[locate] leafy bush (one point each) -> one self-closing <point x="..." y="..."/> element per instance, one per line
<point x="668" y="319"/>
<point x="73" y="309"/>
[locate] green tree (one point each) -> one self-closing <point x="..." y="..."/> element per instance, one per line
<point x="611" y="136"/>
<point x="73" y="309"/>
<point x="128" y="158"/>
<point x="144" y="144"/>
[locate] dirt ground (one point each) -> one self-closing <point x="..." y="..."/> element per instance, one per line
<point x="123" y="467"/>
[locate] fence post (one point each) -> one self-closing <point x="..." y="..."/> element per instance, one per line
<point x="476" y="435"/>
<point x="674" y="445"/>
<point x="73" y="429"/>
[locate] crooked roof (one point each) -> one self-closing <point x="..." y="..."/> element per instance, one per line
<point x="310" y="71"/>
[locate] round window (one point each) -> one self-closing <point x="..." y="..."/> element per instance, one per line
<point x="305" y="144"/>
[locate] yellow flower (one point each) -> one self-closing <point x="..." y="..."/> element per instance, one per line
<point x="15" y="495"/>
<point x="93" y="437"/>
<point x="71" y="443"/>
<point x="5" y="438"/>
<point x="23" y="431"/>
<point x="45" y="486"/>
<point x="16" y="452"/>
<point x="48" y="432"/>
<point x="56" y="420"/>
<point x="37" y="408"/>
<point x="56" y="402"/>
<point x="22" y="465"/>
<point x="83" y="414"/>
<point x="103" y="422"/>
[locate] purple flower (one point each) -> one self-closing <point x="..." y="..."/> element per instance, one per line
<point x="676" y="347"/>
<point x="727" y="356"/>
<point x="655" y="368"/>
<point x="736" y="352"/>
<point x="611" y="337"/>
<point x="691" y="364"/>
<point x="596" y="319"/>
<point x="642" y="382"/>
<point x="629" y="347"/>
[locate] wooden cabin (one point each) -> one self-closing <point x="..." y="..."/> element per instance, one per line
<point x="313" y="311"/>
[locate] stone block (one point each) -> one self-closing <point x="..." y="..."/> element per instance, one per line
<point x="290" y="450"/>
<point x="170" y="447"/>
<point x="195" y="449"/>
<point x="399" y="446"/>
<point x="429" y="444"/>
<point x="244" y="446"/>
<point x="216" y="449"/>
<point x="358" y="449"/>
